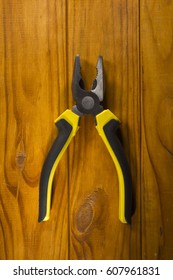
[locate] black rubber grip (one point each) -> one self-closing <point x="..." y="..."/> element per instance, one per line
<point x="64" y="129"/>
<point x="110" y="130"/>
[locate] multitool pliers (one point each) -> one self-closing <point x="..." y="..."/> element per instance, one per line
<point x="107" y="124"/>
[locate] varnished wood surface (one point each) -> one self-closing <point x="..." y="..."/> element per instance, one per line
<point x="38" y="43"/>
<point x="95" y="230"/>
<point x="33" y="93"/>
<point x="157" y="124"/>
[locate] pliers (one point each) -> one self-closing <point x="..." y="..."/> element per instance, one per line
<point x="107" y="124"/>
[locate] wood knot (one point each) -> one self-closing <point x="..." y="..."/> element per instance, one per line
<point x="20" y="159"/>
<point x="92" y="212"/>
<point x="84" y="216"/>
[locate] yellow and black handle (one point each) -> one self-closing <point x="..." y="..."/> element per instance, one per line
<point x="67" y="124"/>
<point x="107" y="124"/>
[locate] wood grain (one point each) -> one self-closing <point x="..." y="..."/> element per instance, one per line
<point x="157" y="122"/>
<point x="33" y="87"/>
<point x="38" y="43"/>
<point x="109" y="28"/>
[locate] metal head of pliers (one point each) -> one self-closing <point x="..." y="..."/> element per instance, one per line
<point x="87" y="102"/>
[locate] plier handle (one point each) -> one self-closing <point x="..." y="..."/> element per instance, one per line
<point x="107" y="124"/>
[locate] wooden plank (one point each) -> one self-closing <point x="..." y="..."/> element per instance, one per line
<point x="157" y="123"/>
<point x="33" y="86"/>
<point x="109" y="28"/>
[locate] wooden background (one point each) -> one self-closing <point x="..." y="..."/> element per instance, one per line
<point x="38" y="42"/>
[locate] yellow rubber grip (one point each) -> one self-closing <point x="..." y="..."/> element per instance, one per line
<point x="68" y="123"/>
<point x="102" y="120"/>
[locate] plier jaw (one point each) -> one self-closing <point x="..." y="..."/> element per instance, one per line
<point x="87" y="102"/>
